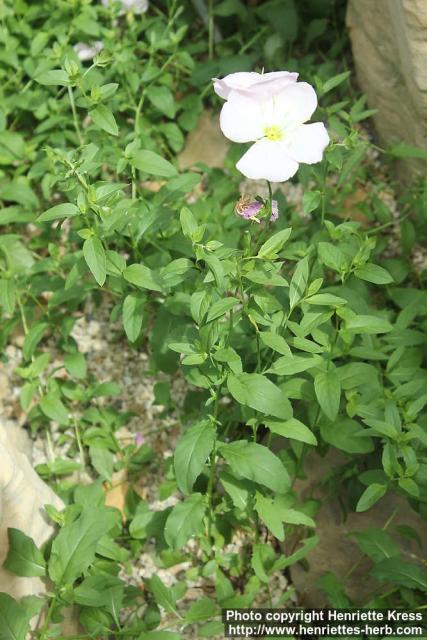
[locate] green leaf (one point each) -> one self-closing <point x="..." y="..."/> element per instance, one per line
<point x="403" y="150"/>
<point x="188" y="222"/>
<point x="370" y="496"/>
<point x="345" y="434"/>
<point x="53" y="408"/>
<point x="100" y="591"/>
<point x="334" y="589"/>
<point x="53" y="77"/>
<point x="262" y="561"/>
<point x="133" y="314"/>
<point x="273" y="245"/>
<point x="23" y="558"/>
<point x="220" y="308"/>
<point x="332" y="257"/>
<point x="150" y="162"/>
<point x="368" y="325"/>
<point x="328" y="392"/>
<point x="286" y="561"/>
<point x="73" y="549"/>
<point x="333" y="82"/>
<point x="376" y="543"/>
<point x="162" y="595"/>
<point x="373" y="273"/>
<point x="102" y="461"/>
<point x="311" y="201"/>
<point x="185" y="520"/>
<point x="275" y="342"/>
<point x="215" y="265"/>
<point x="270" y="515"/>
<point x="142" y="276"/>
<point x="15" y="619"/>
<point x="231" y="357"/>
<point x="162" y="98"/>
<point x="292" y="516"/>
<point x="175" y="139"/>
<point x="75" y="364"/>
<point x="104" y="119"/>
<point x="64" y="210"/>
<point x="400" y="572"/>
<point x="257" y="463"/>
<point x="7" y="295"/>
<point x="293" y="429"/>
<point x="32" y="339"/>
<point x="258" y="392"/>
<point x="410" y="486"/>
<point x="238" y="490"/>
<point x="202" y="609"/>
<point x="327" y="299"/>
<point x="298" y="284"/>
<point x="96" y="259"/>
<point x="191" y="454"/>
<point x="288" y="366"/>
<point x="143" y="517"/>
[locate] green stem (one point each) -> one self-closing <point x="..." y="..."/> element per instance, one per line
<point x="75" y="119"/>
<point x="210" y="29"/>
<point x="270" y="191"/>
<point x="23" y="318"/>
<point x="48" y="618"/>
<point x="258" y="353"/>
<point x="79" y="444"/>
<point x="211" y="482"/>
<point x="250" y="42"/>
<point x="324" y="194"/>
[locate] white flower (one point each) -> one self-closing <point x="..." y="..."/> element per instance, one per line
<point x="87" y="51"/>
<point x="275" y="123"/>
<point x="252" y="84"/>
<point x="133" y="6"/>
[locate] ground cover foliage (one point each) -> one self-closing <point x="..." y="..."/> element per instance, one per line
<point x="295" y="338"/>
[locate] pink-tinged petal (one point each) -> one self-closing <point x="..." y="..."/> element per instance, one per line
<point x="308" y="142"/>
<point x="139" y="439"/>
<point x="269" y="161"/>
<point x="292" y="76"/>
<point x="270" y="84"/>
<point x="234" y="82"/>
<point x="241" y="119"/>
<point x="274" y="211"/>
<point x="251" y="210"/>
<point x="295" y="104"/>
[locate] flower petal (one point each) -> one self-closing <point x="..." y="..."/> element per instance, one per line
<point x="234" y="81"/>
<point x="308" y="142"/>
<point x="274" y="211"/>
<point x="270" y="84"/>
<point x="295" y="104"/>
<point x="241" y="119"/>
<point x="292" y="76"/>
<point x="267" y="160"/>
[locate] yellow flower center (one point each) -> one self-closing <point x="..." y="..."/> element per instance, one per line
<point x="273" y="133"/>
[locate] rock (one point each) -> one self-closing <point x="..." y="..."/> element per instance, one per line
<point x="389" y="41"/>
<point x="204" y="144"/>
<point x="22" y="497"/>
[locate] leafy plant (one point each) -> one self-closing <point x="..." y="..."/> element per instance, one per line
<point x="295" y="337"/>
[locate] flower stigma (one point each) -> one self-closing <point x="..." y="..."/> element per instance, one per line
<point x="273" y="133"/>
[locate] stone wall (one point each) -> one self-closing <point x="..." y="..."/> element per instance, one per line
<point x="389" y="41"/>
